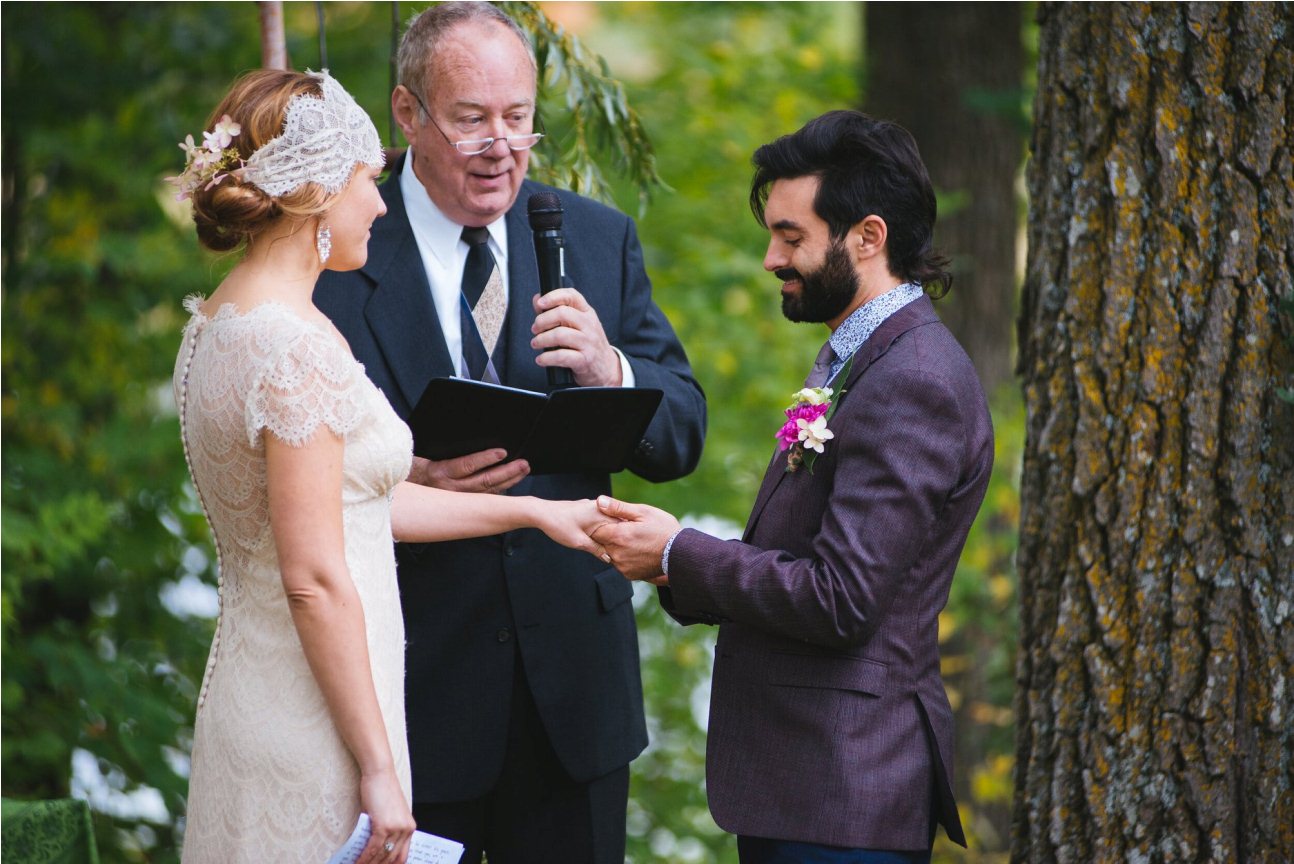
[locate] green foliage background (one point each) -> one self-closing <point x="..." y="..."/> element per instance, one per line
<point x="99" y="522"/>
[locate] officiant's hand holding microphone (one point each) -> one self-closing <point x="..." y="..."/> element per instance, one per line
<point x="569" y="334"/>
<point x="567" y="329"/>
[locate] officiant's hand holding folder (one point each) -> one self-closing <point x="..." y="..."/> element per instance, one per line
<point x="570" y="431"/>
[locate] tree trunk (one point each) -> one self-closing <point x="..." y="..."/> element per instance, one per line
<point x="1155" y="698"/>
<point x="950" y="73"/>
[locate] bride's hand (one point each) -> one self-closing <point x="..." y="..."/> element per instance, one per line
<point x="382" y="799"/>
<point x="571" y="523"/>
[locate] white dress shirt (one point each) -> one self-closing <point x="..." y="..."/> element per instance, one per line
<point x="444" y="254"/>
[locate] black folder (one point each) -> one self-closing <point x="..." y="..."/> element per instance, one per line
<point x="572" y="431"/>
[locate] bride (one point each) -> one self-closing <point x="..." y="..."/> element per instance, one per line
<point x="299" y="463"/>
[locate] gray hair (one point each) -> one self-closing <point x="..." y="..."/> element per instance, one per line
<point x="422" y="38"/>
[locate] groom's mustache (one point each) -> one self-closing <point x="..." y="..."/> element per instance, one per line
<point x="788" y="274"/>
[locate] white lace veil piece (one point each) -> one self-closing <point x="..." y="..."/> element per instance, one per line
<point x="322" y="141"/>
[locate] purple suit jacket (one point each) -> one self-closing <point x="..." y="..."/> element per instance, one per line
<point x="828" y="718"/>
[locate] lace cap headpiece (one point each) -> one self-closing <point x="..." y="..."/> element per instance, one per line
<point x="322" y="141"/>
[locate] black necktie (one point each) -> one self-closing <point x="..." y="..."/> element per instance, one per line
<point x="482" y="306"/>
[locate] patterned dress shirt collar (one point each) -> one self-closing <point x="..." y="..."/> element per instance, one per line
<point x="855" y="329"/>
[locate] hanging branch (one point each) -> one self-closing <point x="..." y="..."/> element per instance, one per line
<point x="274" y="46"/>
<point x="323" y="34"/>
<point x="599" y="113"/>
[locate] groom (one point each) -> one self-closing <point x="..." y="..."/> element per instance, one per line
<point x="830" y="735"/>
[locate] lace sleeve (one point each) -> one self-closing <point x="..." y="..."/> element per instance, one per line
<point x="308" y="380"/>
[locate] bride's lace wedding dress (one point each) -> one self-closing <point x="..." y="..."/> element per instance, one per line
<point x="271" y="777"/>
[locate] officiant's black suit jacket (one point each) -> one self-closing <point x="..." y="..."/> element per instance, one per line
<point x="473" y="607"/>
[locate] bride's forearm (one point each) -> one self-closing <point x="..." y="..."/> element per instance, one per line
<point x="422" y="514"/>
<point x="329" y="619"/>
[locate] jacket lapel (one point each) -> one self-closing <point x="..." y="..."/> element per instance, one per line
<point x="772" y="479"/>
<point x="399" y="311"/>
<point x="915" y="314"/>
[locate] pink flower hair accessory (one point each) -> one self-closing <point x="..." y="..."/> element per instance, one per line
<point x="206" y="165"/>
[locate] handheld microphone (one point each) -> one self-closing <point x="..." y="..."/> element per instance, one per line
<point x="545" y="212"/>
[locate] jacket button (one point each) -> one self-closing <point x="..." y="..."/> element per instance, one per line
<point x="508" y="548"/>
<point x="645" y="448"/>
<point x="503" y="635"/>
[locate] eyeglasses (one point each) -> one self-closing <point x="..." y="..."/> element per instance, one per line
<point x="477" y="146"/>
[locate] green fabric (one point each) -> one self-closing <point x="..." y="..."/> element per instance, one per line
<point x="46" y="832"/>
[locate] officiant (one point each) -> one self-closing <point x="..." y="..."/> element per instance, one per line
<point x="524" y="699"/>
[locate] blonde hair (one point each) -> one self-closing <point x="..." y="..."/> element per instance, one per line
<point x="234" y="211"/>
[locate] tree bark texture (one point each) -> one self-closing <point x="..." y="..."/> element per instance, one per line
<point x="1155" y="697"/>
<point x="951" y="74"/>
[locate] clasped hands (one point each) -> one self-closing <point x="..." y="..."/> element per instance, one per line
<point x="633" y="538"/>
<point x="629" y="537"/>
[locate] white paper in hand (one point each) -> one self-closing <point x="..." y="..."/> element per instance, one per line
<point x="425" y="848"/>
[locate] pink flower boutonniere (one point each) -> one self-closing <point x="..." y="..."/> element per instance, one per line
<point x="805" y="433"/>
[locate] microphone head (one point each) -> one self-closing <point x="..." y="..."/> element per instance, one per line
<point x="545" y="211"/>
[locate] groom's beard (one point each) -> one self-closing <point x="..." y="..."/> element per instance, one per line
<point x="825" y="292"/>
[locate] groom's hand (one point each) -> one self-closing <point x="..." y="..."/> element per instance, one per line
<point x="475" y="472"/>
<point x="637" y="539"/>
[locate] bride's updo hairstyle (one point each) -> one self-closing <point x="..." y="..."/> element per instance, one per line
<point x="235" y="210"/>
<point x="281" y="144"/>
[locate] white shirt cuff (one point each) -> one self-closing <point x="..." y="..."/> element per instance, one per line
<point x="626" y="371"/>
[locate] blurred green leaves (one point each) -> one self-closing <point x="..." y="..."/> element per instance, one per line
<point x="94" y="512"/>
<point x="591" y="118"/>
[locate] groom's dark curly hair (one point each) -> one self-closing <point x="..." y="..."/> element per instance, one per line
<point x="865" y="166"/>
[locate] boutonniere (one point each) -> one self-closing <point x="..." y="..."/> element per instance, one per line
<point x="805" y="433"/>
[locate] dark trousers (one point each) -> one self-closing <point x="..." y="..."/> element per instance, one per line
<point x="758" y="850"/>
<point x="536" y="813"/>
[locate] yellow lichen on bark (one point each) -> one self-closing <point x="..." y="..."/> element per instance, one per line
<point x="1158" y="481"/>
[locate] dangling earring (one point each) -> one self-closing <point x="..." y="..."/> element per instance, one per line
<point x="323" y="242"/>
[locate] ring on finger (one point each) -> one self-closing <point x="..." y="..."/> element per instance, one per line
<point x="388" y="846"/>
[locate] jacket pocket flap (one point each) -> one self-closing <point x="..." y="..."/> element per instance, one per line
<point x="613" y="589"/>
<point x="833" y="673"/>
